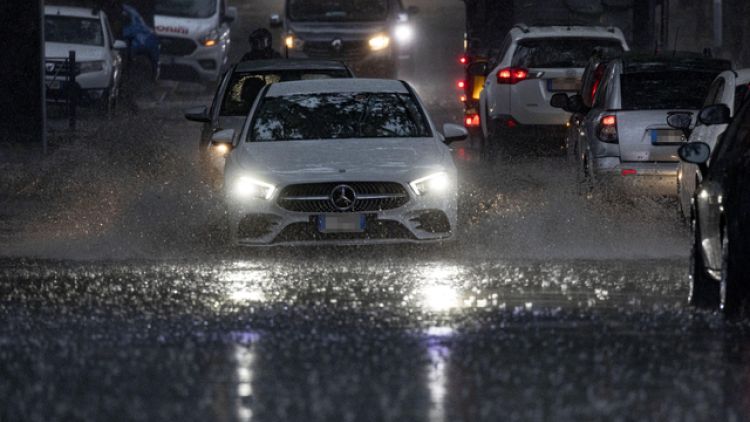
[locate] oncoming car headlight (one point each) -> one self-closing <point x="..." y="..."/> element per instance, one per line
<point x="379" y="42"/>
<point x="404" y="33"/>
<point x="434" y="183"/>
<point x="247" y="187"/>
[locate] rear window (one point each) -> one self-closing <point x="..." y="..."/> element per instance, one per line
<point x="665" y="90"/>
<point x="245" y="87"/>
<point x="339" y="116"/>
<point x="563" y="52"/>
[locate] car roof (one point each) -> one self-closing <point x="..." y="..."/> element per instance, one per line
<point x="331" y="86"/>
<point x="520" y="31"/>
<point x="80" y="12"/>
<point x="638" y="62"/>
<point x="288" y="64"/>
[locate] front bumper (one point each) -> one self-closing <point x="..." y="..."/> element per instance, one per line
<point x="258" y="222"/>
<point x="202" y="65"/>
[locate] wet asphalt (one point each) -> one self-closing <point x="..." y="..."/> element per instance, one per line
<point x="118" y="301"/>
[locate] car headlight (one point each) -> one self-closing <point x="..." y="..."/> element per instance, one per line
<point x="88" y="67"/>
<point x="210" y="38"/>
<point x="379" y="42"/>
<point x="293" y="43"/>
<point x="434" y="183"/>
<point x="404" y="33"/>
<point x="247" y="187"/>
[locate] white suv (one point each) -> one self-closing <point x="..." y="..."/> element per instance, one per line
<point x="534" y="63"/>
<point x="195" y="38"/>
<point x="98" y="64"/>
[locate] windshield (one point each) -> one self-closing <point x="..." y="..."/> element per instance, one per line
<point x="243" y="88"/>
<point x="338" y="10"/>
<point x="186" y="8"/>
<point x="339" y="116"/>
<point x="563" y="52"/>
<point x="72" y="30"/>
<point x="665" y="90"/>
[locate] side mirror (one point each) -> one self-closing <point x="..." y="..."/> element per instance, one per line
<point x="225" y="136"/>
<point x="231" y="15"/>
<point x="680" y="120"/>
<point x="275" y="21"/>
<point x="454" y="133"/>
<point x="717" y="114"/>
<point x="198" y="114"/>
<point x="120" y="45"/>
<point x="695" y="153"/>
<point x="559" y="100"/>
<point x="412" y="10"/>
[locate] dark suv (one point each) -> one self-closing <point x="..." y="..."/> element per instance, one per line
<point x="373" y="37"/>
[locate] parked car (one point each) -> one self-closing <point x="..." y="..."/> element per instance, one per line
<point x="729" y="88"/>
<point x="533" y="64"/>
<point x="373" y="37"/>
<point x="195" y="38"/>
<point x="86" y="32"/>
<point x="720" y="268"/>
<point x="236" y="94"/>
<point x="626" y="135"/>
<point x="340" y="161"/>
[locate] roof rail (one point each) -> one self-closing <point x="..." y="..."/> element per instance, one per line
<point x="523" y="27"/>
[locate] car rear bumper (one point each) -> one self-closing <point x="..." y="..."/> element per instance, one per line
<point x="652" y="178"/>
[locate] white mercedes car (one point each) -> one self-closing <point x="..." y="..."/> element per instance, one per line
<point x="346" y="161"/>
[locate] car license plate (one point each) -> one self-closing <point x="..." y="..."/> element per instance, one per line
<point x="564" y="84"/>
<point x="667" y="137"/>
<point x="342" y="223"/>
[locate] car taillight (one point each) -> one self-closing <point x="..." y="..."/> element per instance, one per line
<point x="512" y="75"/>
<point x="608" y="129"/>
<point x="461" y="84"/>
<point x="463" y="60"/>
<point x="472" y="120"/>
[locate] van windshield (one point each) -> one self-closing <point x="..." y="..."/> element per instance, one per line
<point x="338" y="10"/>
<point x="186" y="8"/>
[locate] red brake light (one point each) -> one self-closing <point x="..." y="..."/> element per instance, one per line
<point x="608" y="129"/>
<point x="462" y="98"/>
<point x="629" y="172"/>
<point x="512" y="75"/>
<point x="462" y="84"/>
<point x="463" y="60"/>
<point x="472" y="120"/>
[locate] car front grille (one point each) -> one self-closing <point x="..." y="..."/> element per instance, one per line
<point x="349" y="51"/>
<point x="177" y="46"/>
<point x="317" y="197"/>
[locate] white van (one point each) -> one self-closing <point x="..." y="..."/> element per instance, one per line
<point x="195" y="38"/>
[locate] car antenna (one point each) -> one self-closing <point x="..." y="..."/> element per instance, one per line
<point x="676" y="37"/>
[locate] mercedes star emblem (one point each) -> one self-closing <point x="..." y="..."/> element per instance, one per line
<point x="343" y="197"/>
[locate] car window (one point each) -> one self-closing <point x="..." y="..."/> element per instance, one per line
<point x="665" y="90"/>
<point x="339" y="116"/>
<point x="243" y="88"/>
<point x="337" y="10"/>
<point x="563" y="52"/>
<point x="73" y="30"/>
<point x="186" y="8"/>
<point x="715" y="92"/>
<point x="740" y="94"/>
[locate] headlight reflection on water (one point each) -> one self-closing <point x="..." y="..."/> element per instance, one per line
<point x="438" y="294"/>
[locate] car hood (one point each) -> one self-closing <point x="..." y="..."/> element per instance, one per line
<point x="56" y="50"/>
<point x="329" y="31"/>
<point x="182" y="27"/>
<point x="352" y="159"/>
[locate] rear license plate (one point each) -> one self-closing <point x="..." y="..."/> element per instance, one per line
<point x="342" y="223"/>
<point x="667" y="137"/>
<point x="564" y="84"/>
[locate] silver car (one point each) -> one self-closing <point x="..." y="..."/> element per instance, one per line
<point x="626" y="135"/>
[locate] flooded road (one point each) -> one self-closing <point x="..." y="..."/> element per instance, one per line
<point x="119" y="299"/>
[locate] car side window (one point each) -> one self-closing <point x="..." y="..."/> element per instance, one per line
<point x="715" y="92"/>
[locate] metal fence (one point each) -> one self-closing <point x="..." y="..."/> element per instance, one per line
<point x="61" y="86"/>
